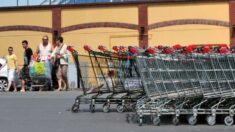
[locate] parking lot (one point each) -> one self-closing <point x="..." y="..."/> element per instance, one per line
<point x="50" y="112"/>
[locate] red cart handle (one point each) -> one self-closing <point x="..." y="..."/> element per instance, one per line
<point x="87" y="48"/>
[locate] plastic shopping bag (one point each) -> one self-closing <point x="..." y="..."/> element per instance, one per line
<point x="128" y="63"/>
<point x="39" y="68"/>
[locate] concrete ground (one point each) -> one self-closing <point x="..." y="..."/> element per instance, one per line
<point x="50" y="112"/>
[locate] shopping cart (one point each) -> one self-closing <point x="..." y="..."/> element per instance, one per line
<point x="40" y="76"/>
<point x="109" y="81"/>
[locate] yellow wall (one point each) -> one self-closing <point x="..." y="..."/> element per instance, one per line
<point x="166" y="12"/>
<point x="183" y="34"/>
<point x="101" y="36"/>
<point x="189" y="34"/>
<point x="14" y="39"/>
<point x="25" y="17"/>
<point x="127" y="14"/>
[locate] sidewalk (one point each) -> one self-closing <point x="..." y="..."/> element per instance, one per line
<point x="43" y="94"/>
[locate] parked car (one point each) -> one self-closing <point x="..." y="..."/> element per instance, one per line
<point x="3" y="74"/>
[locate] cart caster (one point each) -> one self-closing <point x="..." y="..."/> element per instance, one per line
<point x="156" y="121"/>
<point x="128" y="118"/>
<point x="175" y="121"/>
<point x="92" y="108"/>
<point x="192" y="120"/>
<point x="211" y="120"/>
<point x="135" y="118"/>
<point x="75" y="108"/>
<point x="133" y="107"/>
<point x="106" y="108"/>
<point x="120" y="108"/>
<point x="140" y="121"/>
<point x="228" y="120"/>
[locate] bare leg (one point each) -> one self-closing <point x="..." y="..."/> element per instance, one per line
<point x="9" y="85"/>
<point x="64" y="85"/>
<point x="64" y="76"/>
<point x="22" y="86"/>
<point x="59" y="77"/>
<point x="59" y="83"/>
<point x="14" y="86"/>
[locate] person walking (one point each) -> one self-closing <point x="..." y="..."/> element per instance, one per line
<point x="43" y="54"/>
<point x="44" y="49"/>
<point x="12" y="68"/>
<point x="60" y="56"/>
<point x="25" y="70"/>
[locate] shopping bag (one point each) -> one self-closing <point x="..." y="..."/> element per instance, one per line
<point x="128" y="63"/>
<point x="39" y="68"/>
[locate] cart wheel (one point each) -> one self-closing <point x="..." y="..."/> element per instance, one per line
<point x="128" y="118"/>
<point x="75" y="108"/>
<point x="176" y="121"/>
<point x="133" y="107"/>
<point x="92" y="108"/>
<point x="106" y="108"/>
<point x="135" y="118"/>
<point x="156" y="121"/>
<point x="211" y="120"/>
<point x="192" y="120"/>
<point x="120" y="108"/>
<point x="228" y="120"/>
<point x="140" y="121"/>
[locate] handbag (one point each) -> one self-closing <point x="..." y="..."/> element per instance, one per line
<point x="57" y="61"/>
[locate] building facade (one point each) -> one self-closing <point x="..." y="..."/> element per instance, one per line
<point x="157" y="22"/>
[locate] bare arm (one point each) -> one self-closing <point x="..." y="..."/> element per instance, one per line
<point x="53" y="53"/>
<point x="37" y="50"/>
<point x="64" y="53"/>
<point x="52" y="47"/>
<point x="16" y="65"/>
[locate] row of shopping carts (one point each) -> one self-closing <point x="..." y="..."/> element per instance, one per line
<point x="187" y="81"/>
<point x="161" y="81"/>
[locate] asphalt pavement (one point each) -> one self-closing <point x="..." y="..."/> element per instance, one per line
<point x="50" y="112"/>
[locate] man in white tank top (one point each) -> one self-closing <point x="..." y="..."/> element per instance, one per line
<point x="44" y="49"/>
